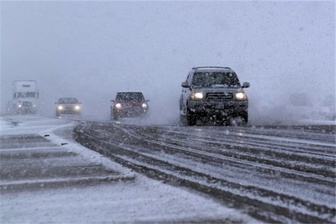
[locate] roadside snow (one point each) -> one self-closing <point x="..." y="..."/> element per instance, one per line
<point x="143" y="200"/>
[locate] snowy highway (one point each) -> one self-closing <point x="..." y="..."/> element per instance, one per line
<point x="275" y="174"/>
<point x="47" y="177"/>
<point x="198" y="174"/>
<point x="168" y="112"/>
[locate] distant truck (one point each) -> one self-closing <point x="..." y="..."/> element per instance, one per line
<point x="24" y="97"/>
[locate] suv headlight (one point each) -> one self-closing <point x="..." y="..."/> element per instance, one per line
<point x="118" y="106"/>
<point x="241" y="96"/>
<point x="77" y="107"/>
<point x="60" y="107"/>
<point x="196" y="96"/>
<point x="144" y="106"/>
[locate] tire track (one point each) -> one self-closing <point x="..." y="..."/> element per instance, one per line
<point x="137" y="148"/>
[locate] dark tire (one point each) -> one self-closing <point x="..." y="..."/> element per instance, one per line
<point x="114" y="116"/>
<point x="191" y="118"/>
<point x="245" y="117"/>
<point x="183" y="120"/>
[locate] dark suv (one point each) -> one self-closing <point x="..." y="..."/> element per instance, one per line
<point x="213" y="93"/>
<point x="129" y="104"/>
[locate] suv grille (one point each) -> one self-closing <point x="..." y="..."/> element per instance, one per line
<point x="219" y="96"/>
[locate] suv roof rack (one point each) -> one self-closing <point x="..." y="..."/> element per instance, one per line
<point x="195" y="68"/>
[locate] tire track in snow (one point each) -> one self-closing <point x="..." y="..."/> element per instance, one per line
<point x="151" y="154"/>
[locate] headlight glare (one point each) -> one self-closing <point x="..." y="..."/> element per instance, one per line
<point x="197" y="96"/>
<point x="77" y="107"/>
<point x="241" y="96"/>
<point x="60" y="107"/>
<point x="118" y="106"/>
<point x="144" y="105"/>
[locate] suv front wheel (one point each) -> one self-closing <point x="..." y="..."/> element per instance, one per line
<point x="115" y="117"/>
<point x="187" y="118"/>
<point x="245" y="117"/>
<point x="191" y="117"/>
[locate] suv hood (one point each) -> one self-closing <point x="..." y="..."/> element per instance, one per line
<point x="130" y="103"/>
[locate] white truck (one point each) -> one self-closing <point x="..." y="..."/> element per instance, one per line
<point x="24" y="97"/>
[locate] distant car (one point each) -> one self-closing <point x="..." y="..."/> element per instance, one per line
<point x="68" y="105"/>
<point x="129" y="104"/>
<point x="213" y="93"/>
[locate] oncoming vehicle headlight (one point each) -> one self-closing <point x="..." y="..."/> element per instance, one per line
<point x="118" y="106"/>
<point x="241" y="96"/>
<point x="197" y="96"/>
<point x="77" y="107"/>
<point x="19" y="105"/>
<point x="60" y="107"/>
<point x="144" y="105"/>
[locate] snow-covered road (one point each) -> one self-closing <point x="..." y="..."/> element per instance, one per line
<point x="38" y="160"/>
<point x="277" y="174"/>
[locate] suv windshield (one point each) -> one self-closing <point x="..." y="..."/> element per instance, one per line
<point x="68" y="100"/>
<point x="215" y="79"/>
<point x="128" y="96"/>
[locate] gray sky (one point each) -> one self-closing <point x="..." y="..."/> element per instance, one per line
<point x="90" y="50"/>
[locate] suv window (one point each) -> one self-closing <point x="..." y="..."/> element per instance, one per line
<point x="129" y="96"/>
<point x="68" y="100"/>
<point x="215" y="79"/>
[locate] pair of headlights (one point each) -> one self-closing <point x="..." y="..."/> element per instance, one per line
<point x="60" y="107"/>
<point x="118" y="105"/>
<point x="200" y="96"/>
<point x="19" y="106"/>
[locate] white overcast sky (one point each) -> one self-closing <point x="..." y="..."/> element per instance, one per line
<point x="90" y="49"/>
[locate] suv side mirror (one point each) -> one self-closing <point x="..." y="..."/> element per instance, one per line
<point x="113" y="101"/>
<point x="185" y="85"/>
<point x="246" y="85"/>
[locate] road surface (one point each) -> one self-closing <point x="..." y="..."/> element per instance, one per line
<point x="273" y="173"/>
<point x="47" y="177"/>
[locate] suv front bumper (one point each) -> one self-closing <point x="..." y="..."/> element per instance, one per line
<point x="222" y="108"/>
<point x="130" y="112"/>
